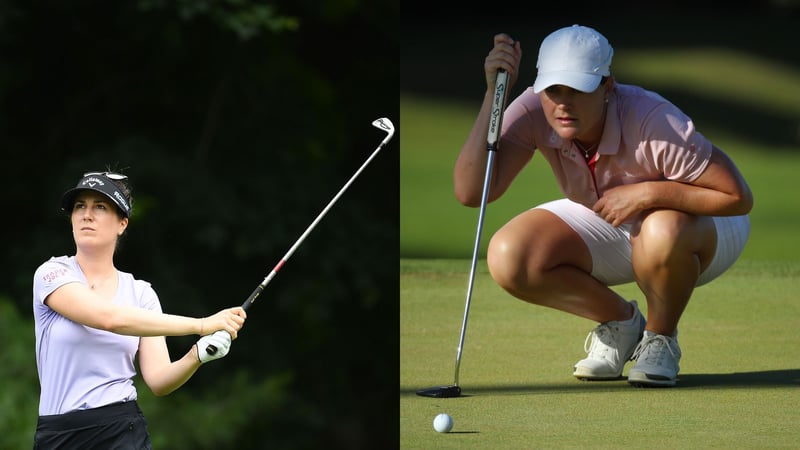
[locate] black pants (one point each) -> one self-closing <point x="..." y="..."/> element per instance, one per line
<point x="120" y="426"/>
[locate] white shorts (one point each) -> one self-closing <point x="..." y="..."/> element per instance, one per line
<point x="610" y="246"/>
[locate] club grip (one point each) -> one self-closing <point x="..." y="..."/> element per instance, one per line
<point x="210" y="348"/>
<point x="498" y="106"/>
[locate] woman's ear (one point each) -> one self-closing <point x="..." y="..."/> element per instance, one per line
<point x="123" y="224"/>
<point x="610" y="84"/>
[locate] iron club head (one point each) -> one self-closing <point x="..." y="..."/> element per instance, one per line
<point x="386" y="125"/>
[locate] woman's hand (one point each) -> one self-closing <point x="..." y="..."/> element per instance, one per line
<point x="621" y="203"/>
<point x="230" y="320"/>
<point x="505" y="55"/>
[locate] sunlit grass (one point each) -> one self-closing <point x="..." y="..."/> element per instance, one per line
<point x="717" y="72"/>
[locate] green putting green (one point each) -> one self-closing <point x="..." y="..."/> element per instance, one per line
<point x="737" y="388"/>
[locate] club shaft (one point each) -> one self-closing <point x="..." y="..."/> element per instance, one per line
<point x="308" y="230"/>
<point x="260" y="288"/>
<point x="492" y="144"/>
<point x="475" y="251"/>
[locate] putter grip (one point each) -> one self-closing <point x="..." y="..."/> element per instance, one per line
<point x="498" y="106"/>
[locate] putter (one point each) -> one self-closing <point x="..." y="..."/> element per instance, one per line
<point x="492" y="144"/>
<point x="383" y="124"/>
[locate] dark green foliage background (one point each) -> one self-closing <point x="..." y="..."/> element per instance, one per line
<point x="237" y="122"/>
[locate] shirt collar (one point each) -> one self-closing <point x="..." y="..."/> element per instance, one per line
<point x="612" y="132"/>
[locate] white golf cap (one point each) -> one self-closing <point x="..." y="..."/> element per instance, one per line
<point x="575" y="56"/>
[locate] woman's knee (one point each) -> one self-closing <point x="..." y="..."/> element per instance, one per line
<point x="507" y="260"/>
<point x="662" y="226"/>
<point x="522" y="252"/>
<point x="664" y="234"/>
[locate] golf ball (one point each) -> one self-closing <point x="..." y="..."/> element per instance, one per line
<point x="443" y="423"/>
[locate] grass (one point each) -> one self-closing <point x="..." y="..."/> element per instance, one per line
<point x="706" y="72"/>
<point x="737" y="388"/>
<point x="740" y="371"/>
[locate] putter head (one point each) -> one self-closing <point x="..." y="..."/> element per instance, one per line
<point x="386" y="125"/>
<point x="440" y="391"/>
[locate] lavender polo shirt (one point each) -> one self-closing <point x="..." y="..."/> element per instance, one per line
<point x="82" y="367"/>
<point x="645" y="138"/>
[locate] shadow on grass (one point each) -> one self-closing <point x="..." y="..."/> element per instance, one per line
<point x="767" y="378"/>
<point x="736" y="380"/>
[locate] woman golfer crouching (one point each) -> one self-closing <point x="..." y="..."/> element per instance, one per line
<point x="648" y="199"/>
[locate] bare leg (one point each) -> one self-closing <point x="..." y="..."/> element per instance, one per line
<point x="538" y="258"/>
<point x="670" y="249"/>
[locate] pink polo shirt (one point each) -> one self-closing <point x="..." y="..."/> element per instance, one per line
<point x="645" y="138"/>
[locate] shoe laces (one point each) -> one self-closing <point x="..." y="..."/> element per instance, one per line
<point x="596" y="340"/>
<point x="653" y="348"/>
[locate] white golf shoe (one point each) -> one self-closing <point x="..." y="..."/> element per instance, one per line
<point x="657" y="358"/>
<point x="609" y="346"/>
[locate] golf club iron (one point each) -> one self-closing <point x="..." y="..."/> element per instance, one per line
<point x="383" y="124"/>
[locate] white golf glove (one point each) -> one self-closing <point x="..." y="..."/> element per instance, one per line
<point x="221" y="340"/>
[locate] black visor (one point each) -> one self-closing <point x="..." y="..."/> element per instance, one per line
<point x="98" y="182"/>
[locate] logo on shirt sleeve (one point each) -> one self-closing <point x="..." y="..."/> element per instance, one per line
<point x="53" y="275"/>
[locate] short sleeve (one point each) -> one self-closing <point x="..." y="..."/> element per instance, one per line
<point x="677" y="149"/>
<point x="50" y="276"/>
<point x="146" y="296"/>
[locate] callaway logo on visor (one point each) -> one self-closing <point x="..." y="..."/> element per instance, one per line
<point x="92" y="182"/>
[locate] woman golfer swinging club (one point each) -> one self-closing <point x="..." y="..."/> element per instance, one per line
<point x="92" y="320"/>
